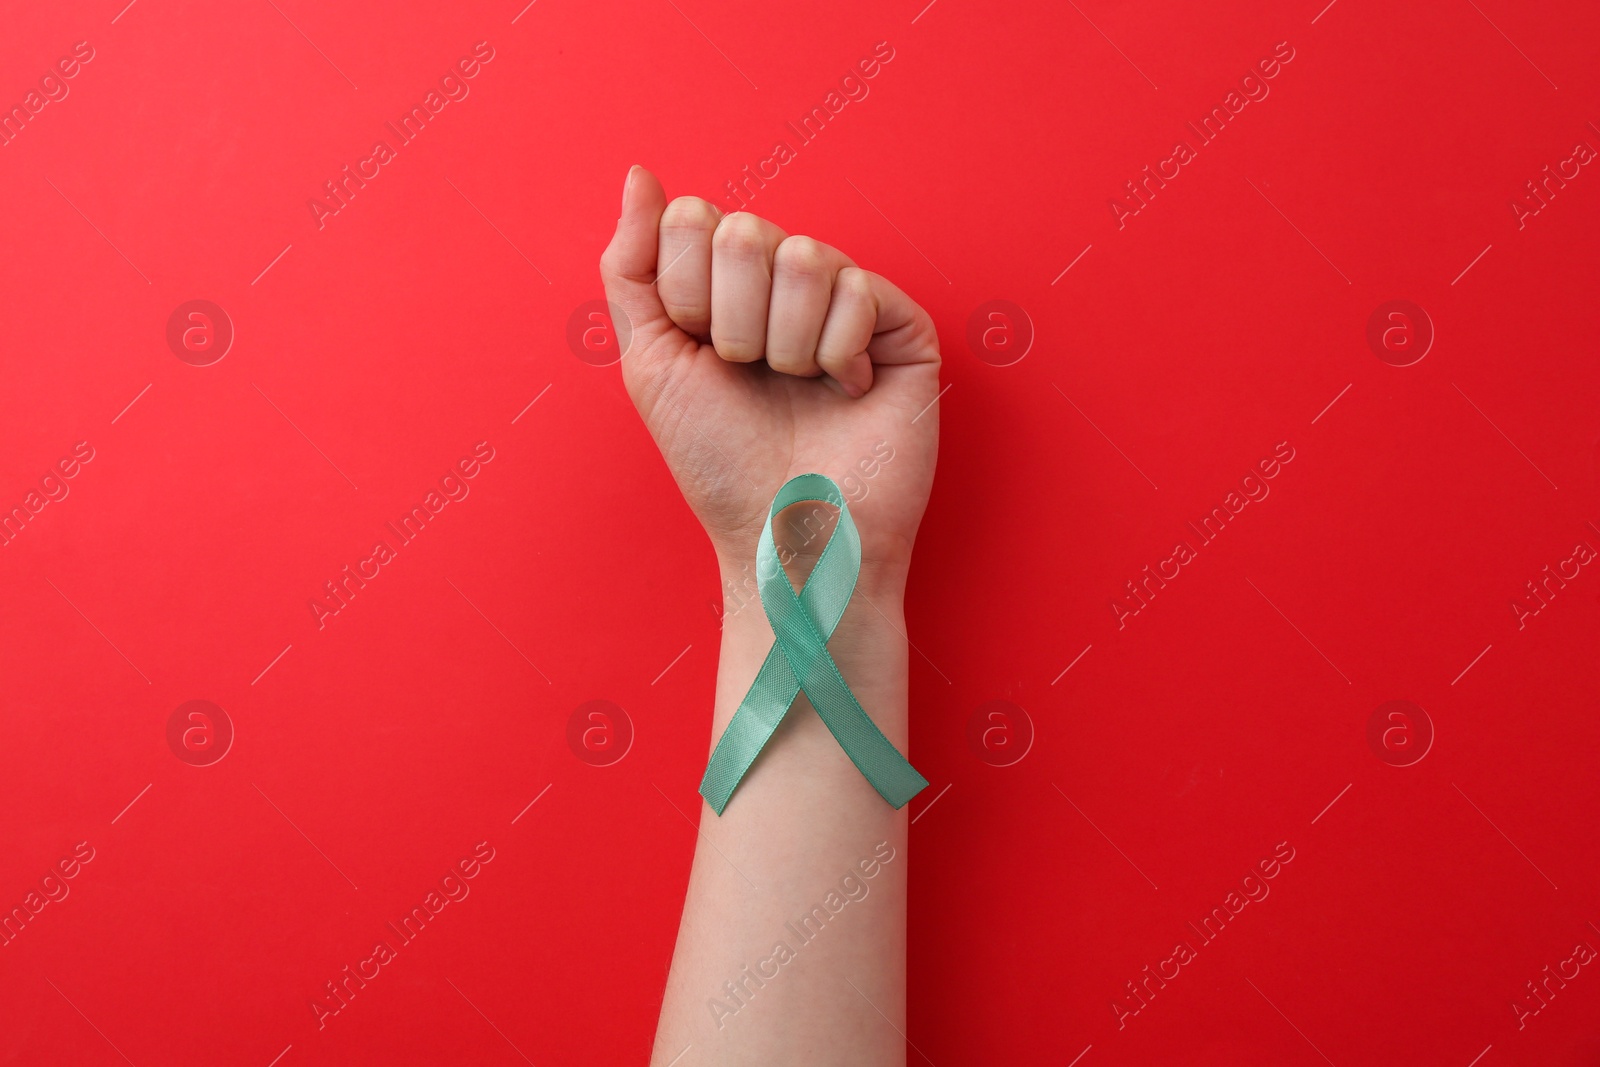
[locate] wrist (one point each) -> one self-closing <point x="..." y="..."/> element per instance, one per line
<point x="868" y="646"/>
<point x="874" y="620"/>
<point x="878" y="588"/>
<point x="800" y="538"/>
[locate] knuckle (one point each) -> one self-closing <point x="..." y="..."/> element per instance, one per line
<point x="854" y="284"/>
<point x="690" y="213"/>
<point x="831" y="357"/>
<point x="611" y="266"/>
<point x="691" y="315"/>
<point x="837" y="362"/>
<point x="788" y="353"/>
<point x="740" y="234"/>
<point x="735" y="339"/>
<point x="802" y="257"/>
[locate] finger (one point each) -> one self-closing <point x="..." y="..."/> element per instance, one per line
<point x="684" y="278"/>
<point x="870" y="320"/>
<point x="803" y="270"/>
<point x="903" y="333"/>
<point x="628" y="266"/>
<point x="847" y="331"/>
<point x="741" y="285"/>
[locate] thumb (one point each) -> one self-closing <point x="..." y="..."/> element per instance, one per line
<point x="628" y="266"/>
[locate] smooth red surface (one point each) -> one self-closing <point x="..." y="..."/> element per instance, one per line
<point x="1176" y="353"/>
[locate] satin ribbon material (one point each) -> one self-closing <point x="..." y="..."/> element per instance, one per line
<point x="799" y="660"/>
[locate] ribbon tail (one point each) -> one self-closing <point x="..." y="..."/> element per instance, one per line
<point x="874" y="755"/>
<point x="752" y="726"/>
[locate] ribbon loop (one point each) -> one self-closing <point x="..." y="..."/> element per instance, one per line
<point x="799" y="661"/>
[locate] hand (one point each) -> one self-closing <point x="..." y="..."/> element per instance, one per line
<point x="753" y="356"/>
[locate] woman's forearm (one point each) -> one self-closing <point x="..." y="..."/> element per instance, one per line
<point x="792" y="944"/>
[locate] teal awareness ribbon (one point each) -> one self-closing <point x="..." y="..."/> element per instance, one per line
<point x="799" y="660"/>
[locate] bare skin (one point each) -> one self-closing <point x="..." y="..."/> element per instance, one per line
<point x="753" y="356"/>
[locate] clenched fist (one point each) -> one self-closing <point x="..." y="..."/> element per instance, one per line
<point x="753" y="356"/>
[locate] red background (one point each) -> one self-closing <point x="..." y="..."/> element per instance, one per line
<point x="375" y="351"/>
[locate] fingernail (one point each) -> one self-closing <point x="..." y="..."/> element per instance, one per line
<point x="627" y="186"/>
<point x="851" y="391"/>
